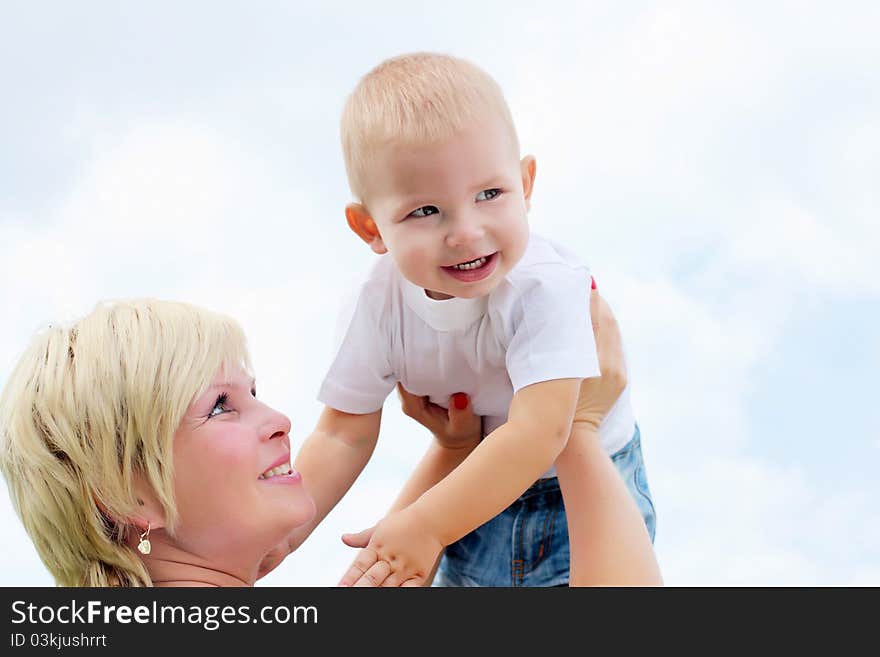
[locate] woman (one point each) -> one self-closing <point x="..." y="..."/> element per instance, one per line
<point x="137" y="453"/>
<point x="138" y="426"/>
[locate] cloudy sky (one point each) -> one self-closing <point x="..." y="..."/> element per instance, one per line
<point x="716" y="163"/>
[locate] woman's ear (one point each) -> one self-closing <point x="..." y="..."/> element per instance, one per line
<point x="149" y="512"/>
<point x="360" y="221"/>
<point x="528" y="168"/>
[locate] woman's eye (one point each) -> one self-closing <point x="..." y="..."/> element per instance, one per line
<point x="488" y="194"/>
<point x="424" y="211"/>
<point x="220" y="406"/>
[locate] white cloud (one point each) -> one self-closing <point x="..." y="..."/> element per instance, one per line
<point x="691" y="152"/>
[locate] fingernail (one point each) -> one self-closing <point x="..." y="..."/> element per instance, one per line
<point x="460" y="400"/>
<point x="592" y="283"/>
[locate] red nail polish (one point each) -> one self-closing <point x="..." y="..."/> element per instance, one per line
<point x="460" y="400"/>
<point x="592" y="283"/>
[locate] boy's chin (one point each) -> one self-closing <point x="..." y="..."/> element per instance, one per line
<point x="473" y="291"/>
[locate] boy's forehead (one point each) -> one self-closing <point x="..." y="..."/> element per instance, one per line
<point x="468" y="157"/>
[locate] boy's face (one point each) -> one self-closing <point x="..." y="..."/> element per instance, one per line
<point x="453" y="214"/>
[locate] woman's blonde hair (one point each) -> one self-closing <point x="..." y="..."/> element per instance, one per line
<point x="416" y="98"/>
<point x="90" y="407"/>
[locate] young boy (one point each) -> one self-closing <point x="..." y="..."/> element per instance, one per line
<point x="468" y="302"/>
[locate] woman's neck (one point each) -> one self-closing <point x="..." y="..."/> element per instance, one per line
<point x="171" y="573"/>
<point x="172" y="566"/>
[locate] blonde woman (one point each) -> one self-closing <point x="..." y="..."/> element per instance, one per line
<point x="139" y="427"/>
<point x="137" y="453"/>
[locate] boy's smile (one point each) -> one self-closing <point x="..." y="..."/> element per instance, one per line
<point x="474" y="270"/>
<point x="453" y="214"/>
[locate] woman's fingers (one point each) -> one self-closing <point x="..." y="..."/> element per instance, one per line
<point x="420" y="409"/>
<point x="610" y="348"/>
<point x="458" y="418"/>
<point x="409" y="402"/>
<point x="598" y="394"/>
<point x="461" y="413"/>
<point x="594" y="306"/>
<point x="463" y="423"/>
<point x="607" y="334"/>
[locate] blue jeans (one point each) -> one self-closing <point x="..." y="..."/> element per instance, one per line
<point x="527" y="543"/>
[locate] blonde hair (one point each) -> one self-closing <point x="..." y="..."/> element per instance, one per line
<point x="91" y="406"/>
<point x="416" y="98"/>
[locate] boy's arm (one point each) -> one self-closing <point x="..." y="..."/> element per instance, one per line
<point x="512" y="458"/>
<point x="404" y="545"/>
<point x="456" y="430"/>
<point x="435" y="465"/>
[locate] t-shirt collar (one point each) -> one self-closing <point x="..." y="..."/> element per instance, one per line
<point x="447" y="315"/>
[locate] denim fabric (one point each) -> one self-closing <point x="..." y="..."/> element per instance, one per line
<point x="527" y="543"/>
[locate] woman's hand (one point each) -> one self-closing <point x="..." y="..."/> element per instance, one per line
<point x="608" y="541"/>
<point x="455" y="428"/>
<point x="599" y="394"/>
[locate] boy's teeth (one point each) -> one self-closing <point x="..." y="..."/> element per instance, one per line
<point x="274" y="472"/>
<point x="473" y="264"/>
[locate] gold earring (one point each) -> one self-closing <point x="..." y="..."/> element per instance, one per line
<point x="144" y="546"/>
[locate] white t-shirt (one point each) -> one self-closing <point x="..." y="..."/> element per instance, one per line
<point x="534" y="326"/>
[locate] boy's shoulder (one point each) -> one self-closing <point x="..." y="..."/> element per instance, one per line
<point x="380" y="279"/>
<point x="543" y="253"/>
<point x="543" y="263"/>
<point x="368" y="295"/>
<point x="548" y="280"/>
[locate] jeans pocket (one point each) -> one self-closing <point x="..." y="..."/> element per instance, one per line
<point x="631" y="466"/>
<point x="641" y="480"/>
<point x="646" y="503"/>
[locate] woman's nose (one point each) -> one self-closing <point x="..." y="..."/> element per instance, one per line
<point x="275" y="424"/>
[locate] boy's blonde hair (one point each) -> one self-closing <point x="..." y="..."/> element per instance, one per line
<point x="417" y="98"/>
<point x="91" y="406"/>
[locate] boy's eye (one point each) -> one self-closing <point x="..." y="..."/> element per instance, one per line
<point x="424" y="211"/>
<point x="220" y="406"/>
<point x="488" y="194"/>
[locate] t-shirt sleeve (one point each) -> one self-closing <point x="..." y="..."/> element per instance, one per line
<point x="552" y="334"/>
<point x="360" y="377"/>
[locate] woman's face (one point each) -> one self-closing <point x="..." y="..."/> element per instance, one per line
<point x="236" y="491"/>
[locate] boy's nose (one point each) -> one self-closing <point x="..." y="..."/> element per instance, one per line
<point x="464" y="230"/>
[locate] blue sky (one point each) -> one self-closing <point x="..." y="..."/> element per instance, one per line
<point x="716" y="163"/>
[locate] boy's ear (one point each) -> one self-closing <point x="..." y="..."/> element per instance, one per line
<point x="360" y="221"/>
<point x="528" y="168"/>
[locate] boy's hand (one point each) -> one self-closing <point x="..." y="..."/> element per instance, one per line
<point x="359" y="539"/>
<point x="401" y="552"/>
<point x="456" y="428"/>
